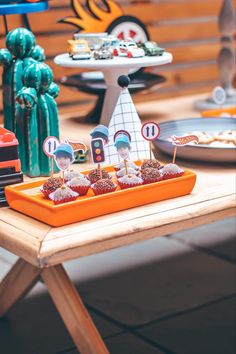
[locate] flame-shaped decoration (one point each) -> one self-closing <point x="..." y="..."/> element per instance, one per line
<point x="92" y="18"/>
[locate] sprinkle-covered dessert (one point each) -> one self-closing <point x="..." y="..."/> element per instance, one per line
<point x="103" y="186"/>
<point x="51" y="185"/>
<point x="123" y="172"/>
<point x="95" y="175"/>
<point x="129" y="181"/>
<point x="70" y="174"/>
<point x="150" y="163"/>
<point x="130" y="164"/>
<point x="63" y="195"/>
<point x="79" y="184"/>
<point x="150" y="175"/>
<point x="171" y="170"/>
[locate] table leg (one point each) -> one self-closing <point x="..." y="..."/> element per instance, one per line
<point x="16" y="284"/>
<point x="72" y="311"/>
<point x="112" y="93"/>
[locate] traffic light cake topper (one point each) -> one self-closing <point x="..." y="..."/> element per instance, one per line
<point x="97" y="150"/>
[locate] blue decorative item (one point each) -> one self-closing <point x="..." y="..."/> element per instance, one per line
<point x="21" y="7"/>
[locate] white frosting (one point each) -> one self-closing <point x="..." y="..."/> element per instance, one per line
<point x="122" y="172"/>
<point x="62" y="193"/>
<point x="171" y="168"/>
<point x="130" y="180"/>
<point x="72" y="174"/>
<point x="78" y="181"/>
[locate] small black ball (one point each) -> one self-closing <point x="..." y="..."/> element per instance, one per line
<point x="123" y="81"/>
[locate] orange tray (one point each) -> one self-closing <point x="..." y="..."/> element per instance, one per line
<point x="218" y="112"/>
<point x="27" y="199"/>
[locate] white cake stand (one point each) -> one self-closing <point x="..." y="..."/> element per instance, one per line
<point x="112" y="69"/>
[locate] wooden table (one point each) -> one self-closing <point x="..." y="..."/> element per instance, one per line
<point x="43" y="249"/>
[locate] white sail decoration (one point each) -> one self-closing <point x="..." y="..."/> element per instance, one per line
<point x="125" y="117"/>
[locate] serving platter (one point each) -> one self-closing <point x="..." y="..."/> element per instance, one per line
<point x="197" y="152"/>
<point x="27" y="199"/>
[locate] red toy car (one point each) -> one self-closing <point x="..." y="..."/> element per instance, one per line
<point x="10" y="166"/>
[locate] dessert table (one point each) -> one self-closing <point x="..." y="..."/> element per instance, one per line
<point x="43" y="249"/>
<point x="112" y="69"/>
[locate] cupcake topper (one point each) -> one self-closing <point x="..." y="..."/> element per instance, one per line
<point x="150" y="131"/>
<point x="182" y="141"/>
<point x="99" y="132"/>
<point x="122" y="140"/>
<point x="49" y="146"/>
<point x="97" y="152"/>
<point x="64" y="157"/>
<point x="80" y="149"/>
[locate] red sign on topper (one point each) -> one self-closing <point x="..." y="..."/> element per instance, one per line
<point x="49" y="145"/>
<point x="150" y="131"/>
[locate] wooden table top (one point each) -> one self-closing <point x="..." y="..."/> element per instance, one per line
<point x="213" y="198"/>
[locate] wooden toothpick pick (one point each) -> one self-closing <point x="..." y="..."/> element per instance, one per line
<point x="174" y="156"/>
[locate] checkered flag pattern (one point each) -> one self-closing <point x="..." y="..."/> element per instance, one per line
<point x="125" y="117"/>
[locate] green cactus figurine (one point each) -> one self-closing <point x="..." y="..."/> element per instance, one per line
<point x="28" y="99"/>
<point x="20" y="52"/>
<point x="36" y="118"/>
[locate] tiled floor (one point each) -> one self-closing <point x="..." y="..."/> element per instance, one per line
<point x="173" y="295"/>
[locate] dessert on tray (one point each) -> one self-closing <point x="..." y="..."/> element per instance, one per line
<point x="132" y="177"/>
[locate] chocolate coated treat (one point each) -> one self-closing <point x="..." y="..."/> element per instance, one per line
<point x="95" y="175"/>
<point x="53" y="183"/>
<point x="150" y="174"/>
<point x="151" y="163"/>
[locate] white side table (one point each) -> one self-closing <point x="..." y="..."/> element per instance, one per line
<point x="112" y="69"/>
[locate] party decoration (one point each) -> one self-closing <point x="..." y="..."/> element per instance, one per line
<point x="125" y="117"/>
<point x="49" y="146"/>
<point x="80" y="150"/>
<point x="97" y="150"/>
<point x="100" y="131"/>
<point x="93" y="18"/>
<point x="36" y="118"/>
<point x="21" y="52"/>
<point x="150" y="131"/>
<point x="64" y="156"/>
<point x="122" y="141"/>
<point x="181" y="141"/>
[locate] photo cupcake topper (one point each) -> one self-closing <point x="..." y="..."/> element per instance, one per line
<point x="49" y="146"/>
<point x="182" y="141"/>
<point x="122" y="142"/>
<point x="102" y="132"/>
<point x="64" y="157"/>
